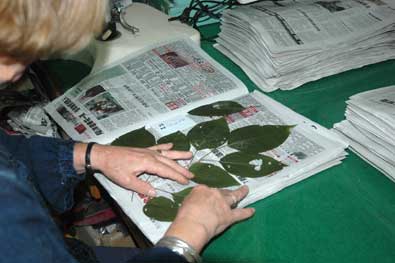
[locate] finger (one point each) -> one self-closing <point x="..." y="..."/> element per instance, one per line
<point x="142" y="187"/>
<point x="240" y="193"/>
<point x="229" y="197"/>
<point x="161" y="147"/>
<point x="163" y="170"/>
<point x="239" y="214"/>
<point x="177" y="155"/>
<point x="234" y="197"/>
<point x="174" y="165"/>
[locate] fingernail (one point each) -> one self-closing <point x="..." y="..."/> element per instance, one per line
<point x="152" y="193"/>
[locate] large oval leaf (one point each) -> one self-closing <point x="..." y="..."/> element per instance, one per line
<point x="209" y="134"/>
<point x="180" y="196"/>
<point x="219" y="108"/>
<point x="211" y="175"/>
<point x="161" y="209"/>
<point x="180" y="141"/>
<point x="256" y="139"/>
<point x="137" y="138"/>
<point x="250" y="165"/>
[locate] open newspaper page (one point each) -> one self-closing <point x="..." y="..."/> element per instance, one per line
<point x="292" y="42"/>
<point x="308" y="149"/>
<point x="164" y="79"/>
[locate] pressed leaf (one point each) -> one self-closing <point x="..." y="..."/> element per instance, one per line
<point x="137" y="138"/>
<point x="219" y="108"/>
<point x="161" y="209"/>
<point x="180" y="141"/>
<point x="250" y="165"/>
<point x="256" y="139"/>
<point x="209" y="134"/>
<point x="211" y="175"/>
<point x="180" y="196"/>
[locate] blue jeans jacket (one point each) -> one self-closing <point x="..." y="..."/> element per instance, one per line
<point x="33" y="172"/>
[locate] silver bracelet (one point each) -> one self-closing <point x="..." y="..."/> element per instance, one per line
<point x="180" y="247"/>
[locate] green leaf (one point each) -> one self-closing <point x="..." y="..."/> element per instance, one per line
<point x="180" y="141"/>
<point x="211" y="175"/>
<point x="137" y="138"/>
<point x="180" y="196"/>
<point x="209" y="134"/>
<point x="161" y="209"/>
<point x="219" y="108"/>
<point x="250" y="165"/>
<point x="256" y="139"/>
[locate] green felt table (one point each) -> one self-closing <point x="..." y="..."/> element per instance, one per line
<point x="343" y="214"/>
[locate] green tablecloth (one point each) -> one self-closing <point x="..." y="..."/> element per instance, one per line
<point x="344" y="214"/>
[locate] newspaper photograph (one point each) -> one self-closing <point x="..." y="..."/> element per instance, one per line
<point x="168" y="78"/>
<point x="308" y="149"/>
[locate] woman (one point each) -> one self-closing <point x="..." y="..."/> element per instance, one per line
<point x="41" y="170"/>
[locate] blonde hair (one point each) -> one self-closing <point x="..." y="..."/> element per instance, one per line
<point x="32" y="29"/>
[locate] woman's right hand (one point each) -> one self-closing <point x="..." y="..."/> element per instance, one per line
<point x="124" y="165"/>
<point x="206" y="212"/>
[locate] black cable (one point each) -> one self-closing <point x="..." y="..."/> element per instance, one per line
<point x="202" y="10"/>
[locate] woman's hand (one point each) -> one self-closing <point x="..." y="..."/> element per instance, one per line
<point x="123" y="165"/>
<point x="206" y="212"/>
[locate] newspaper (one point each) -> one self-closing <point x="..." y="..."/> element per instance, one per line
<point x="21" y="107"/>
<point x="284" y="44"/>
<point x="155" y="89"/>
<point x="164" y="79"/>
<point x="370" y="128"/>
<point x="309" y="149"/>
<point x="32" y="121"/>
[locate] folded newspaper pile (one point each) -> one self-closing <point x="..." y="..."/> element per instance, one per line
<point x="284" y="44"/>
<point x="370" y="128"/>
<point x="154" y="90"/>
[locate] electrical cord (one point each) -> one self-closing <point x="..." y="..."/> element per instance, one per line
<point x="200" y="11"/>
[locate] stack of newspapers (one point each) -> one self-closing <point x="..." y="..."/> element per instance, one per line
<point x="370" y="128"/>
<point x="284" y="44"/>
<point x="154" y="90"/>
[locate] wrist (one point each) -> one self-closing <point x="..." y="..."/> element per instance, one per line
<point x="181" y="228"/>
<point x="89" y="169"/>
<point x="80" y="155"/>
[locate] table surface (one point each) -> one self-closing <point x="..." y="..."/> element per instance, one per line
<point x="343" y="214"/>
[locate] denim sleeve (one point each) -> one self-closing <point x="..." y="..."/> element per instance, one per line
<point x="27" y="232"/>
<point x="158" y="255"/>
<point x="50" y="162"/>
